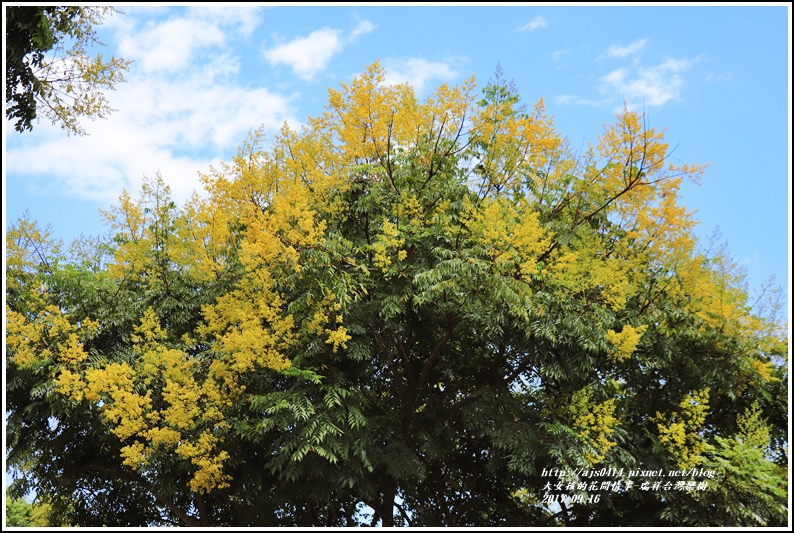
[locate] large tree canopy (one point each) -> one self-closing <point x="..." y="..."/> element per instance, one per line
<point x="408" y="312"/>
<point x="43" y="77"/>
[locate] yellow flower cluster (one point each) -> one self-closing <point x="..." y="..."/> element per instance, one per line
<point x="625" y="342"/>
<point x="185" y="417"/>
<point x="249" y="326"/>
<point x="679" y="432"/>
<point x="594" y="423"/>
<point x="22" y="339"/>
<point x="122" y="407"/>
<point x="764" y="370"/>
<point x="338" y="338"/>
<point x="512" y="236"/>
<point x="48" y="335"/>
<point x="389" y="240"/>
<point x="203" y="454"/>
<point x="587" y="269"/>
<point x="518" y="143"/>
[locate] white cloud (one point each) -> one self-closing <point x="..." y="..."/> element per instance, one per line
<point x="535" y="24"/>
<point x="363" y="28"/>
<point x="181" y="109"/>
<point x="170" y="45"/>
<point x="307" y="55"/>
<point x="417" y="72"/>
<point x="625" y="51"/>
<point x="173" y="44"/>
<point x="653" y="86"/>
<point x="99" y="167"/>
<point x="176" y="113"/>
<point x="244" y="18"/>
<point x="175" y="127"/>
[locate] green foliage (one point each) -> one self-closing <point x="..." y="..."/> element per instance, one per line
<point x="44" y="77"/>
<point x="749" y="488"/>
<point x="409" y="307"/>
<point x="21" y="513"/>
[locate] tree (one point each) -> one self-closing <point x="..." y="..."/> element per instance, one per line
<point x="44" y="77"/>
<point x="20" y="513"/>
<point x="406" y="313"/>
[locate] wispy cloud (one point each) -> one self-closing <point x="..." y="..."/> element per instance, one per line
<point x="571" y="99"/>
<point x="309" y="55"/>
<point x="559" y="58"/>
<point x="535" y="24"/>
<point x="654" y="86"/>
<point x="418" y="72"/>
<point x="617" y="51"/>
<point x="559" y="55"/>
<point x="713" y="77"/>
<point x="363" y="28"/>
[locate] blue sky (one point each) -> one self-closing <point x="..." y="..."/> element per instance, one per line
<point x="717" y="78"/>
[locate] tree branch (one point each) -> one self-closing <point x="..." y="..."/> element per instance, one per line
<point x="431" y="361"/>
